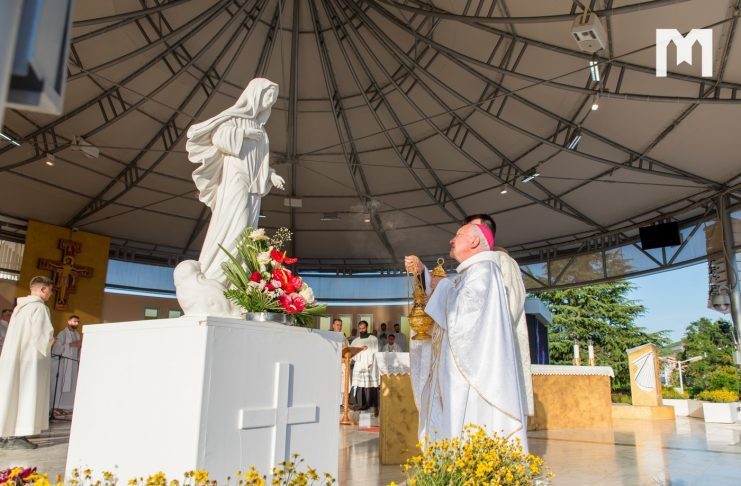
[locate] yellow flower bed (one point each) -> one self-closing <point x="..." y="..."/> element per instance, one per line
<point x="287" y="473"/>
<point x="718" y="396"/>
<point x="477" y="458"/>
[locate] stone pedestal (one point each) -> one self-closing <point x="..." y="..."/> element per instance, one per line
<point x="209" y="393"/>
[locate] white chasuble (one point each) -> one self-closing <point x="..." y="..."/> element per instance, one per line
<point x="24" y="370"/>
<point x="467" y="373"/>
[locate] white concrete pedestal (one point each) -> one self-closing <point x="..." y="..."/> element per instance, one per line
<point x="209" y="393"/>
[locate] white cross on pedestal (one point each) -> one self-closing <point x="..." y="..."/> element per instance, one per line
<point x="280" y="416"/>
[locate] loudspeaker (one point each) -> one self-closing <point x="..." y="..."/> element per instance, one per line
<point x="660" y="235"/>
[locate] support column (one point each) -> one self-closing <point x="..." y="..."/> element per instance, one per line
<point x="734" y="288"/>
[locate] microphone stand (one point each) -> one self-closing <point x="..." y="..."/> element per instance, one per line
<point x="59" y="358"/>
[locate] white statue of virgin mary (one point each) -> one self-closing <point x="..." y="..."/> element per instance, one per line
<point x="233" y="176"/>
<point x="234" y="173"/>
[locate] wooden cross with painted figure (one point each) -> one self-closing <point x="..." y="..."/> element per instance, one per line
<point x="65" y="273"/>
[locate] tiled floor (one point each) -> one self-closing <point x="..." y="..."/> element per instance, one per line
<point x="685" y="452"/>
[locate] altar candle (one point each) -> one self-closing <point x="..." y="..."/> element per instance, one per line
<point x="591" y="354"/>
<point x="577" y="359"/>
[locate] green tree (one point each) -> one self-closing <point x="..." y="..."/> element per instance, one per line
<point x="604" y="314"/>
<point x="713" y="341"/>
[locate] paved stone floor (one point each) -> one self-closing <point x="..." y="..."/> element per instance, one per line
<point x="633" y="452"/>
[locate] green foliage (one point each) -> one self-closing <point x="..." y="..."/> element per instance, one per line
<point x="713" y="341"/>
<point x="672" y="393"/>
<point x="718" y="396"/>
<point x="603" y="314"/>
<point x="724" y="378"/>
<point x="621" y="398"/>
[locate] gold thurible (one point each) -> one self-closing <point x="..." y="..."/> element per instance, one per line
<point x="418" y="318"/>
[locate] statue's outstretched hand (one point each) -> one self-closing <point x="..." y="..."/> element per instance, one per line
<point x="277" y="180"/>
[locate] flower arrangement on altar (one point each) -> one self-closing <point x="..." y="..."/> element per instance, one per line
<point x="260" y="282"/>
<point x="476" y="458"/>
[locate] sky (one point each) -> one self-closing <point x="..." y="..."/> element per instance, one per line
<point x="673" y="299"/>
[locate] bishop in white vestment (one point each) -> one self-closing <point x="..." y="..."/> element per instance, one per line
<point x="467" y="373"/>
<point x="65" y="365"/>
<point x="25" y="367"/>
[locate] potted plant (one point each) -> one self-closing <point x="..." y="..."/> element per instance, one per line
<point x="683" y="405"/>
<point x="720" y="406"/>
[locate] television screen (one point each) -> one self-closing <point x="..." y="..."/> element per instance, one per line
<point x="660" y="235"/>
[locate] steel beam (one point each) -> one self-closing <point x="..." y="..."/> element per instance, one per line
<point x="344" y="132"/>
<point x="169" y="135"/>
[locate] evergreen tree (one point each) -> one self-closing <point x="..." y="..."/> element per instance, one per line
<point x="712" y="341"/>
<point x="603" y="314"/>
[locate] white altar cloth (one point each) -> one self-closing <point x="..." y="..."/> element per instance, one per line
<point x="201" y="392"/>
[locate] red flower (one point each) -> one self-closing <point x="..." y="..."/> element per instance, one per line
<point x="296" y="282"/>
<point x="255" y="277"/>
<point x="284" y="277"/>
<point x="298" y="302"/>
<point x="280" y="257"/>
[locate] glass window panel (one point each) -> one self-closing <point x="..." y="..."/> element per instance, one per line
<point x="151" y="313"/>
<point x="627" y="259"/>
<point x="695" y="245"/>
<point x="584" y="268"/>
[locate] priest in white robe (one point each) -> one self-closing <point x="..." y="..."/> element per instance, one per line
<point x="232" y="149"/>
<point x="365" y="381"/>
<point x="391" y="346"/>
<point x="25" y="368"/>
<point x="64" y="367"/>
<point x="467" y="373"/>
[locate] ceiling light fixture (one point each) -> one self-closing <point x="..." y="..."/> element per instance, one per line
<point x="575" y="139"/>
<point x="594" y="70"/>
<point x="262" y="216"/>
<point x="530" y="174"/>
<point x="595" y="102"/>
<point x="366" y="218"/>
<point x="330" y="217"/>
<point x="88" y="150"/>
<point x="10" y="139"/>
<point x="50" y="159"/>
<point x="504" y="190"/>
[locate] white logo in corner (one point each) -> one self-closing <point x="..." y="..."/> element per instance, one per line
<point x="684" y="49"/>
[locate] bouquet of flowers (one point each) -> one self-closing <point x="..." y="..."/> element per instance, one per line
<point x="260" y="281"/>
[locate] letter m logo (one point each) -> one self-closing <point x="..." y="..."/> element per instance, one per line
<point x="684" y="49"/>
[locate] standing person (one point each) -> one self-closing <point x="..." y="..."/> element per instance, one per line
<point x="516" y="295"/>
<point x="64" y="367"/>
<point x="364" y="392"/>
<point x="383" y="335"/>
<point x="24" y="369"/>
<point x="391" y="346"/>
<point x="337" y="327"/>
<point x="401" y="338"/>
<point x="472" y="375"/>
<point x="4" y="320"/>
